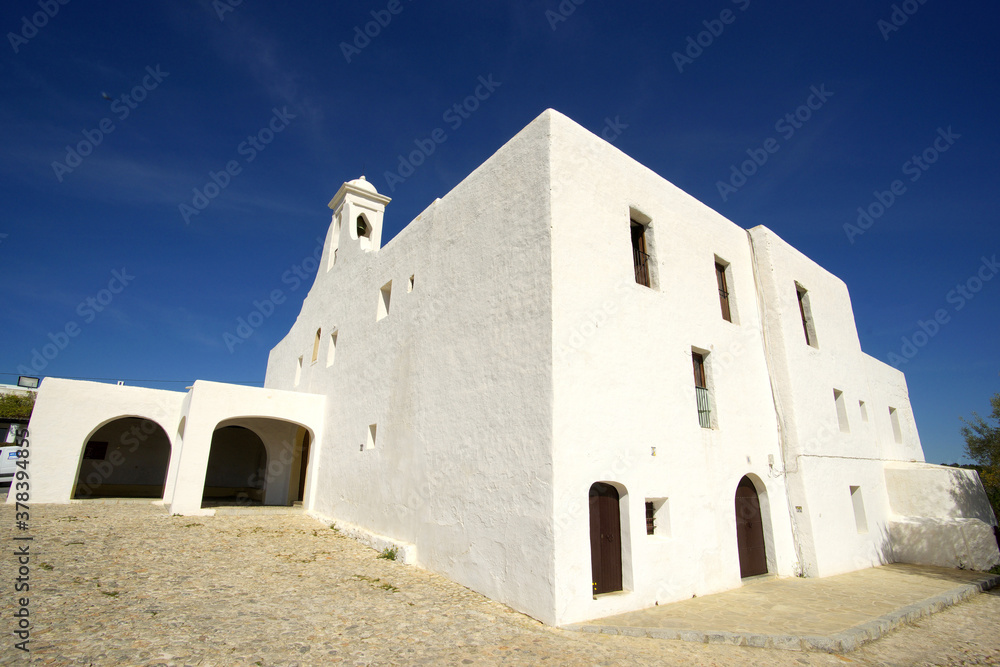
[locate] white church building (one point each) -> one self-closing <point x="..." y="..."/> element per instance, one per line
<point x="567" y="385"/>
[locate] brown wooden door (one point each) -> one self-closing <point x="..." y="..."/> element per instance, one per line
<point x="749" y="530"/>
<point x="605" y="538"/>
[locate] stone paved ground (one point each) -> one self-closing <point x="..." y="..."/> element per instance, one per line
<point x="130" y="585"/>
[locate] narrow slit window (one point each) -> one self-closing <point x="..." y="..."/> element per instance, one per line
<point x="372" y="430"/>
<point x="864" y="411"/>
<point x="720" y="278"/>
<point x="384" y="295"/>
<point x="409" y="284"/>
<point x="897" y="432"/>
<point x="805" y="312"/>
<point x="316" y="342"/>
<point x="838" y="399"/>
<point x="640" y="254"/>
<point x="860" y="519"/>
<point x="331" y="350"/>
<point x="298" y="371"/>
<point x="702" y="396"/>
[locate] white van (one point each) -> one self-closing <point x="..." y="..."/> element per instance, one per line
<point x="8" y="454"/>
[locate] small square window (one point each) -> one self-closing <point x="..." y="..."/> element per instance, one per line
<point x="95" y="450"/>
<point x="658" y="517"/>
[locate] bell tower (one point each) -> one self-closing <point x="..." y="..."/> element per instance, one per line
<point x="358" y="209"/>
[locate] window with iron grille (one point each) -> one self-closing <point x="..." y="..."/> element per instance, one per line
<point x="720" y="277"/>
<point x="650" y="518"/>
<point x="640" y="256"/>
<point x="701" y="390"/>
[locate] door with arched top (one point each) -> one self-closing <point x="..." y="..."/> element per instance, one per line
<point x="750" y="530"/>
<point x="605" y="538"/>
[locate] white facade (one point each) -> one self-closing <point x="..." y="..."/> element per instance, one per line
<point x="468" y="387"/>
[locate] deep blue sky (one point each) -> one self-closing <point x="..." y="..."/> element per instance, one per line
<point x="220" y="80"/>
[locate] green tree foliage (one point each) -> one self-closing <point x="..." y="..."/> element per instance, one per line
<point x="16" y="406"/>
<point x="982" y="445"/>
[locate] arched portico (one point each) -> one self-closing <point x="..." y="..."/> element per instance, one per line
<point x="127" y="457"/>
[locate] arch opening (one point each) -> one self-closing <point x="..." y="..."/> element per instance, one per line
<point x="126" y="457"/>
<point x="237" y="465"/>
<point x="606" y="540"/>
<point x="751" y="542"/>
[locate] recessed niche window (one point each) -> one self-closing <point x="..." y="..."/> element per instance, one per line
<point x="805" y="312"/>
<point x="724" y="279"/>
<point x="370" y="441"/>
<point x="657" y="517"/>
<point x="316" y="342"/>
<point x="864" y="411"/>
<point x="860" y="520"/>
<point x="409" y="284"/>
<point x="384" y="294"/>
<point x="838" y="398"/>
<point x="331" y="349"/>
<point x="702" y="394"/>
<point x="298" y="371"/>
<point x="897" y="432"/>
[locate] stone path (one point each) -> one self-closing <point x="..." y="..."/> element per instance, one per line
<point x="838" y="613"/>
<point x="130" y="585"/>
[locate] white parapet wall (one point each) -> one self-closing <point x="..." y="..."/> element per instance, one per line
<point x="941" y="516"/>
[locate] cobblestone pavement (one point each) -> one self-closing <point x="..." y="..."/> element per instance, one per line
<point x="131" y="585"/>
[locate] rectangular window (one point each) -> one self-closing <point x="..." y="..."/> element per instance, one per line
<point x="897" y="432"/>
<point x="838" y="398"/>
<point x="720" y="278"/>
<point x="640" y="256"/>
<point x="370" y="443"/>
<point x="298" y="372"/>
<point x="860" y="520"/>
<point x="316" y="342"/>
<point x="806" y="313"/>
<point x="383" y="300"/>
<point x="657" y="517"/>
<point x="864" y="411"/>
<point x="701" y="390"/>
<point x="95" y="450"/>
<point x="409" y="285"/>
<point x="331" y="350"/>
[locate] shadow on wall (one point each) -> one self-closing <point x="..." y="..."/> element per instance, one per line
<point x="969" y="496"/>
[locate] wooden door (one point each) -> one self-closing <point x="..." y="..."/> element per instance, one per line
<point x="605" y="538"/>
<point x="749" y="530"/>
